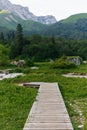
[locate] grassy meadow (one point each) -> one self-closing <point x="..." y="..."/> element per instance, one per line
<point x="16" y="101"/>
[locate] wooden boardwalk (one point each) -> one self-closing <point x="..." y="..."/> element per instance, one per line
<point x="48" y="111"/>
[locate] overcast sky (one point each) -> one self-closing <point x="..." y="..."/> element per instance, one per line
<point x="59" y="8"/>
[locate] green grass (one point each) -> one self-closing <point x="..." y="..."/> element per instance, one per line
<point x="74" y="91"/>
<point x="15" y="104"/>
<point x="16" y="101"/>
<point x="74" y="18"/>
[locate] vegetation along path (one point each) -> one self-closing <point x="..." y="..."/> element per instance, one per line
<point x="48" y="111"/>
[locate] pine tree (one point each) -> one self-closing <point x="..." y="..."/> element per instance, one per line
<point x="19" y="33"/>
<point x="2" y="37"/>
<point x="17" y="46"/>
<point x="19" y="39"/>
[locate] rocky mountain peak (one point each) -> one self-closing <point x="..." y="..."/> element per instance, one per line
<point x="49" y="19"/>
<point x="24" y="13"/>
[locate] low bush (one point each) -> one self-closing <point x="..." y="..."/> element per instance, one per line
<point x="29" y="62"/>
<point x="62" y="64"/>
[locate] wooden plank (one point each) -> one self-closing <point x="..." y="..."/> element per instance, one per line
<point x="48" y="111"/>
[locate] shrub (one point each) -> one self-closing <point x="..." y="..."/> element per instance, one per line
<point x="4" y="59"/>
<point x="29" y="62"/>
<point x="62" y="64"/>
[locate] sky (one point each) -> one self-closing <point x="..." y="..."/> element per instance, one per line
<point x="61" y="9"/>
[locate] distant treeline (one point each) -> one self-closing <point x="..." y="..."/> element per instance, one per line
<point x="40" y="48"/>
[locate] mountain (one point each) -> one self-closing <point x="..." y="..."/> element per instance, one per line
<point x="74" y="18"/>
<point x="74" y="27"/>
<point x="24" y="13"/>
<point x="9" y="21"/>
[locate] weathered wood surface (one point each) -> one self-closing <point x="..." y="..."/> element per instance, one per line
<point x="48" y="111"/>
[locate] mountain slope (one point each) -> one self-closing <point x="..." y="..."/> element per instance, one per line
<point x="10" y="21"/>
<point x="24" y="13"/>
<point x="74" y="18"/>
<point x="74" y="27"/>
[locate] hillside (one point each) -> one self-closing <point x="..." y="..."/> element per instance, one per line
<point x="74" y="27"/>
<point x="12" y="14"/>
<point x="74" y="18"/>
<point x="8" y="21"/>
